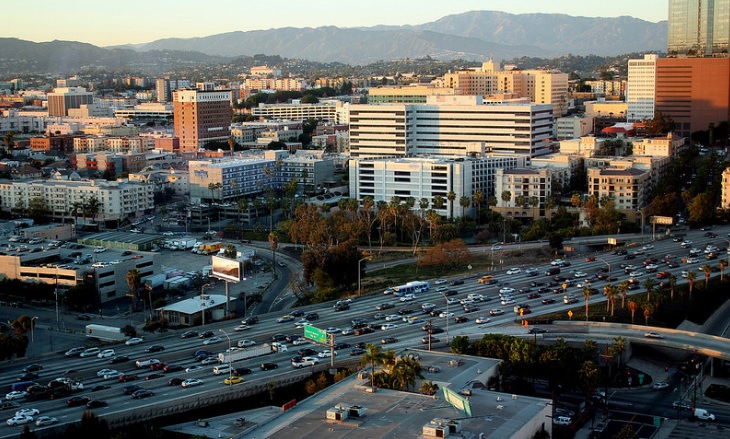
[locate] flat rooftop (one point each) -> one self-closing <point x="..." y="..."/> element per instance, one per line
<point x="396" y="414"/>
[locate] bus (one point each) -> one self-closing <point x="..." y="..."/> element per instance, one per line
<point x="413" y="287"/>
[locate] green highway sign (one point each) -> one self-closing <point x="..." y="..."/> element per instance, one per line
<point x="315" y="334"/>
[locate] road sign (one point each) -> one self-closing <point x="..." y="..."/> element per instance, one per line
<point x="315" y="334"/>
<point x="570" y="314"/>
<point x="657" y="421"/>
<point x="662" y="220"/>
<point x="641" y="379"/>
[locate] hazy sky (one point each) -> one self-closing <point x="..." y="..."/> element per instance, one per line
<point x="104" y="22"/>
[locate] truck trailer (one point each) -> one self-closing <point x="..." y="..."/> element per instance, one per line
<point x="242" y="354"/>
<point x="109" y="333"/>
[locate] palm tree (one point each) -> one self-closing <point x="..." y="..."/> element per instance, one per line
<point x="274" y="242"/>
<point x="464" y="202"/>
<point x="586" y="295"/>
<point x="451" y="196"/>
<point x="607" y="293"/>
<point x="92" y="206"/>
<point x="633" y="306"/>
<point x="428" y="388"/>
<point x="707" y="269"/>
<point x="478" y="198"/>
<point x="691" y="277"/>
<point x="648" y="310"/>
<point x="242" y="206"/>
<point x="373" y="355"/>
<point x="438" y="202"/>
<point x="623" y="288"/>
<point x="723" y="264"/>
<point x="618" y="347"/>
<point x="76" y="207"/>
<point x="211" y="188"/>
<point x="612" y="298"/>
<point x="405" y="372"/>
<point x="672" y="285"/>
<point x="506" y="197"/>
<point x="649" y="287"/>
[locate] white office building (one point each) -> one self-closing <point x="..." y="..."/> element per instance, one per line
<point x="426" y="177"/>
<point x="641" y="88"/>
<point x="450" y="125"/>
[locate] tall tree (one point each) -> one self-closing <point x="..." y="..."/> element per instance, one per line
<point x="373" y="355"/>
<point x="649" y="287"/>
<point x="451" y="196"/>
<point x="723" y="264"/>
<point x="691" y="277"/>
<point x="633" y="306"/>
<point x="587" y="296"/>
<point x="464" y="202"/>
<point x="707" y="269"/>
<point x="274" y="243"/>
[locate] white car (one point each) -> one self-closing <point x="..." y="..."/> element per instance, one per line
<point x="133" y="341"/>
<point x="326" y="354"/>
<point x="104" y="372"/>
<point x="193" y="369"/>
<point x="408" y="298"/>
<point x="211" y="340"/>
<point x="440" y="289"/>
<point x="635" y="274"/>
<point x="332" y="330"/>
<point x="191" y="382"/>
<point x="481" y="320"/>
<point x="106" y="353"/>
<point x="388" y="326"/>
<point x="513" y="271"/>
<point x="19" y="420"/>
<point x="15" y="394"/>
<point x="91" y="352"/>
<point x="240" y="328"/>
<point x="506" y="290"/>
<point x="28" y="412"/>
<point x="392" y="317"/>
<point x="556" y="262"/>
<point x="300" y="341"/>
<point x="692" y="260"/>
<point x="209" y="361"/>
<point x="428" y="305"/>
<point x="45" y="420"/>
<point x="496" y="312"/>
<point x="348" y="331"/>
<point x="100" y="250"/>
<point x="168" y="234"/>
<point x="580" y="274"/>
<point x="302" y="323"/>
<point x="246" y="343"/>
<point x="114" y="375"/>
<point x="452" y="300"/>
<point x="446" y="315"/>
<point x="440" y="282"/>
<point x="466" y="301"/>
<point x="508" y="302"/>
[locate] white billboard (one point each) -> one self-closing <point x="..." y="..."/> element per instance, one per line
<point x="226" y="269"/>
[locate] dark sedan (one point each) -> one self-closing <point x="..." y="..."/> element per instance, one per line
<point x="155" y="348"/>
<point x="77" y="400"/>
<point x="268" y="366"/>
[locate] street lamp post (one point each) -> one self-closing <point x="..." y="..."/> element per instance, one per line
<point x="230" y="369"/>
<point x="447" y="319"/>
<point x="641" y="212"/>
<point x="359" y="285"/>
<point x="32" y="329"/>
<point x="55" y="291"/>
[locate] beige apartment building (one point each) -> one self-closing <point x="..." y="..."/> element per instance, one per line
<point x="528" y="189"/>
<point x="628" y="187"/>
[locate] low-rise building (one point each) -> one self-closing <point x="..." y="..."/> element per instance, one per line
<point x="528" y="191"/>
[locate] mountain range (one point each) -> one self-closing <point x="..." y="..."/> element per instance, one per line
<point x="471" y="35"/>
<point x="475" y="35"/>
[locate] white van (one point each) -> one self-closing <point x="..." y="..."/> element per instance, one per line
<point x="704" y="415"/>
<point x="91" y="352"/>
<point x="223" y="368"/>
<point x="278" y="347"/>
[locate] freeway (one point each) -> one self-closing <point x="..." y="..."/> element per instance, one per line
<point x="407" y="333"/>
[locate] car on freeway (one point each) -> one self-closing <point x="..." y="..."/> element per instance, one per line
<point x="96" y="403"/>
<point x="90" y="352"/>
<point x="172" y="368"/>
<point x="74" y="352"/>
<point x="133" y="341"/>
<point x="209" y="361"/>
<point x="19" y="420"/>
<point x="240" y="328"/>
<point x="155" y="348"/>
<point x="191" y="382"/>
<point x="580" y="274"/>
<point x="233" y="380"/>
<point x="660" y="385"/>
<point x="246" y="343"/>
<point x="461" y="319"/>
<point x="154" y="376"/>
<point x="590" y="258"/>
<point x="300" y="362"/>
<point x="357" y="351"/>
<point x="506" y="290"/>
<point x="28" y="412"/>
<point x="100" y="387"/>
<point x="326" y="354"/>
<point x="531" y="271"/>
<point x="384" y="306"/>
<point x="681" y="405"/>
<point x="118" y="359"/>
<point x="404" y="312"/>
<point x="171" y="382"/>
<point x="206" y="334"/>
<point x="496" y="312"/>
<point x="445" y="314"/>
<point x="77" y="400"/>
<point x="456" y="282"/>
<point x="193" y="369"/>
<point x="653" y="335"/>
<point x="440" y="282"/>
<point x="42" y="421"/>
<point x="189" y="334"/>
<point x="112" y="376"/>
<point x="16" y="394"/>
<point x="241" y="371"/>
<point x="507" y="302"/>
<point x="513" y="271"/>
<point x="430" y="339"/>
<point x="212" y="340"/>
<point x="479" y="320"/>
<point x="123" y="378"/>
<point x="142" y="393"/>
<point x="537" y="331"/>
<point x="268" y="366"/>
<point x="548" y="301"/>
<point x="389" y="340"/>
<point x="104" y="372"/>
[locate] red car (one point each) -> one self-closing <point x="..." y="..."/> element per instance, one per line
<point x="590" y="259"/>
<point x="663" y="275"/>
<point x="128" y="377"/>
<point x="158" y="366"/>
